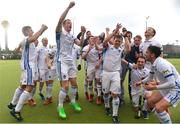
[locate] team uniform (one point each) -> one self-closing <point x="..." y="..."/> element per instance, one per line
<point x="65" y="64"/>
<point x="42" y="65"/>
<point x="169" y="80"/>
<point x="143" y="47"/>
<point x="111" y="69"/>
<point x="168" y="85"/>
<point x="28" y="60"/>
<point x="136" y="76"/>
<point x="111" y="77"/>
<point x="36" y="77"/>
<point x="92" y="59"/>
<point x="76" y="53"/>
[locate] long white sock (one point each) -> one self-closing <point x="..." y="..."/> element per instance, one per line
<point x="85" y="86"/>
<point x="90" y="89"/>
<point x="106" y="100"/>
<point x="16" y="96"/>
<point x="24" y="96"/>
<point x="73" y="91"/>
<point x="99" y="89"/>
<point x="62" y="95"/>
<point x="163" y="117"/>
<point x="31" y="95"/>
<point x="115" y="105"/>
<point x="49" y="90"/>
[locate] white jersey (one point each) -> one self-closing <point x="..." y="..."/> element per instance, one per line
<point x="65" y="42"/>
<point x="138" y="74"/>
<point x="112" y="59"/>
<point x="143" y="48"/>
<point x="75" y="53"/>
<point x="36" y="58"/>
<point x="92" y="57"/>
<point x="166" y="73"/>
<point x="43" y="53"/>
<point x="28" y="54"/>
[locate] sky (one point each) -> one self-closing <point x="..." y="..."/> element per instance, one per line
<point x="95" y="15"/>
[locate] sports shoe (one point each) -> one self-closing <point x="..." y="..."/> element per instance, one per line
<point x="31" y="102"/>
<point x="16" y="115"/>
<point x="98" y="100"/>
<point x="11" y="106"/>
<point x="91" y="98"/>
<point x="76" y="107"/>
<point x="115" y="119"/>
<point x="145" y="114"/>
<point x="108" y="111"/>
<point x="42" y="96"/>
<point x="62" y="113"/>
<point x="87" y="95"/>
<point x="48" y="101"/>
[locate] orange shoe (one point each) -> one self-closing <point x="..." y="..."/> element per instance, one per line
<point x="48" y="101"/>
<point x="91" y="98"/>
<point x="98" y="100"/>
<point x="31" y="102"/>
<point x="87" y="95"/>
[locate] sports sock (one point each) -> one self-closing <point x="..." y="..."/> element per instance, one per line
<point x="106" y="100"/>
<point x="24" y="96"/>
<point x="62" y="95"/>
<point x="16" y="96"/>
<point x="90" y="87"/>
<point x="163" y="117"/>
<point x="73" y="91"/>
<point x="49" y="90"/>
<point x="99" y="90"/>
<point x="115" y="105"/>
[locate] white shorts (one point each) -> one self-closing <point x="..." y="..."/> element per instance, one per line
<point x="136" y="92"/>
<point x="66" y="70"/>
<point x="93" y="73"/>
<point x="43" y="75"/>
<point x="173" y="97"/>
<point x="27" y="76"/>
<point x="52" y="74"/>
<point x="111" y="82"/>
<point x="36" y="76"/>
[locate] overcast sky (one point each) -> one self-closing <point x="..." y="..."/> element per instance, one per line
<point x="95" y="15"/>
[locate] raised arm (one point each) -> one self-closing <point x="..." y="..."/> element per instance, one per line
<point x="63" y="16"/>
<point x="80" y="42"/>
<point x="108" y="38"/>
<point x="34" y="37"/>
<point x="127" y="45"/>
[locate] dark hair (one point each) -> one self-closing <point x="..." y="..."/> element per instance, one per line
<point x="129" y="32"/>
<point x="142" y="57"/>
<point x="89" y="37"/>
<point x="118" y="37"/>
<point x="156" y="50"/>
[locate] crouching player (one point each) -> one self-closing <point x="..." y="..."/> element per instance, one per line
<point x="168" y="87"/>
